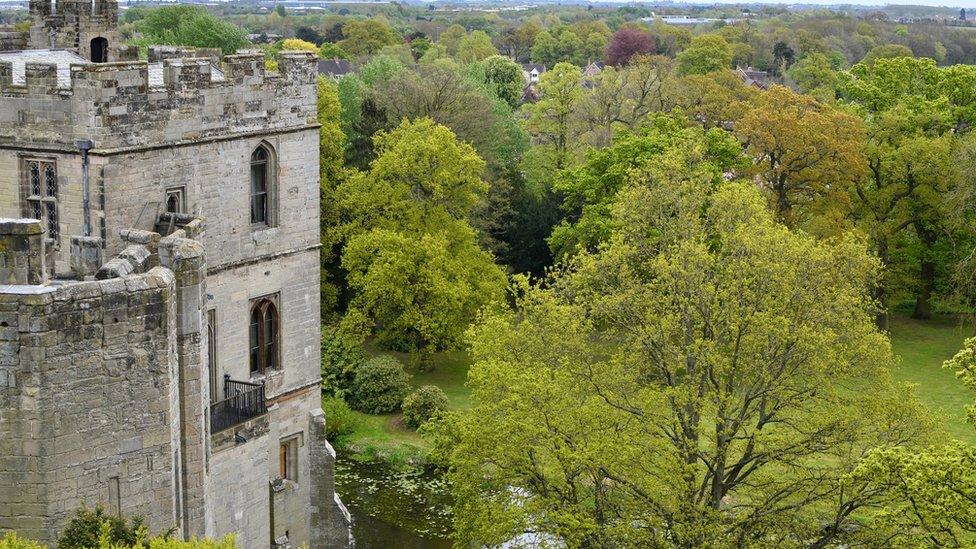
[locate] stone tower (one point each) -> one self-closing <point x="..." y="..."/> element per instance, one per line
<point x="86" y="27"/>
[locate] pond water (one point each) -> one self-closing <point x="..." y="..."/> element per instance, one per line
<point x="394" y="508"/>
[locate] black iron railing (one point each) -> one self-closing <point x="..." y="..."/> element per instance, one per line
<point x="242" y="401"/>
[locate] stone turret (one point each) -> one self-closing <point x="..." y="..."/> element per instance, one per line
<point x="88" y="28"/>
<point x="21" y="252"/>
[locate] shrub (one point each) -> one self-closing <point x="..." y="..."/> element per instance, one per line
<point x="380" y="386"/>
<point x="341" y="357"/>
<point x="85" y="528"/>
<point x="339" y="419"/>
<point x="11" y="541"/>
<point x="422" y="405"/>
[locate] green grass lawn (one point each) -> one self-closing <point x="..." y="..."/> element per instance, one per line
<point x="922" y="347"/>
<point x="385" y="435"/>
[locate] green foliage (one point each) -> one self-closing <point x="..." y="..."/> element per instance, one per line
<point x="475" y="47"/>
<point x="419" y="291"/>
<point x="341" y="358"/>
<point x="190" y="26"/>
<point x="415" y="268"/>
<point x="339" y="418"/>
<point x="930" y="492"/>
<point x="329" y="50"/>
<point x="705" y="360"/>
<point x="422" y="405"/>
<point x="504" y="78"/>
<point x="297" y="44"/>
<point x="380" y="386"/>
<point x="89" y="527"/>
<point x="10" y="540"/>
<point x="706" y="53"/>
<point x="550" y="118"/>
<point x="660" y="149"/>
<point x="332" y="145"/>
<point x="363" y="37"/>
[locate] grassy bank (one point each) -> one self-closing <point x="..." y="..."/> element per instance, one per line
<point x="385" y="436"/>
<point x="921" y="347"/>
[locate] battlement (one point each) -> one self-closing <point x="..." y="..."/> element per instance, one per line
<point x="138" y="102"/>
<point x="74" y="8"/>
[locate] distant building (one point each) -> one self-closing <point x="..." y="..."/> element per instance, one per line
<point x="593" y="69"/>
<point x="334" y="68"/>
<point x="753" y="77"/>
<point x="264" y="38"/>
<point x="532" y="71"/>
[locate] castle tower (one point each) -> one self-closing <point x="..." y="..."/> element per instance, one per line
<point x="86" y="27"/>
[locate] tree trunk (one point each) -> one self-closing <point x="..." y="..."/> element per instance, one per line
<point x="880" y="292"/>
<point x="923" y="308"/>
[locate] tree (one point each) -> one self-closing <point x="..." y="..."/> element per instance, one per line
<point x="627" y="43"/>
<point x="807" y="154"/>
<point x="190" y="26"/>
<point x="687" y="386"/>
<point x="451" y="39"/>
<point x="550" y="117"/>
<point x="813" y="75"/>
<point x="296" y="44"/>
<point x="622" y="98"/>
<point x="475" y="47"/>
<point x="914" y="112"/>
<point x="706" y="53"/>
<point x="414" y="266"/>
<point x="545" y="49"/>
<point x="363" y="37"/>
<point x="504" y="78"/>
<point x="887" y="51"/>
<point x="663" y="146"/>
<point x="930" y="492"/>
<point x="329" y="50"/>
<point x="516" y="42"/>
<point x="332" y="145"/>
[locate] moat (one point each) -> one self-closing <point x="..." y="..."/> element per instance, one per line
<point x="393" y="507"/>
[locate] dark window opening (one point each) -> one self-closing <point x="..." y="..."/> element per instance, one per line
<point x="263" y="335"/>
<point x="260" y="163"/>
<point x="99" y="50"/>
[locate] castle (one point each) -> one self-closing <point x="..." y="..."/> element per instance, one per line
<point x="159" y="288"/>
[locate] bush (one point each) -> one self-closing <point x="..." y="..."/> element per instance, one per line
<point x="380" y="386"/>
<point x="11" y="541"/>
<point x="339" y="419"/>
<point x="423" y="405"/>
<point x="341" y="357"/>
<point x="85" y="528"/>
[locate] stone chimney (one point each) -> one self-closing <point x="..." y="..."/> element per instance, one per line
<point x="22" y="252"/>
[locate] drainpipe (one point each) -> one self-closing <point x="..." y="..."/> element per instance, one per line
<point x="85" y="145"/>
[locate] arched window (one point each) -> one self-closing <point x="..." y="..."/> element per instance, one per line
<point x="99" y="50"/>
<point x="264" y="335"/>
<point x="262" y="186"/>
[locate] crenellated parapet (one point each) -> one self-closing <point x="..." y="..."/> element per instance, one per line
<point x="134" y="103"/>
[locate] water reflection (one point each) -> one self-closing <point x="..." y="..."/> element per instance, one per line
<point x="392" y="508"/>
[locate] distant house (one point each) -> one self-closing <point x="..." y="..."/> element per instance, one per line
<point x="531" y="93"/>
<point x="334" y="68"/>
<point x="263" y="38"/>
<point x="593" y="69"/>
<point x="753" y="77"/>
<point x="532" y="72"/>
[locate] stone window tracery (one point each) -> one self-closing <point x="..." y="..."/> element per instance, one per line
<point x="264" y="335"/>
<point x="41" y="194"/>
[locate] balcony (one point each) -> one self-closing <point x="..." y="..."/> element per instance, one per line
<point x="242" y="401"/>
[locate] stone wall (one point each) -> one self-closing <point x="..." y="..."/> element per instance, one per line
<point x="90" y="407"/>
<point x="135" y="103"/>
<point x="72" y="24"/>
